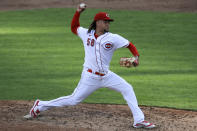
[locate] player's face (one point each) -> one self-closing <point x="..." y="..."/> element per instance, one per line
<point x="103" y="25"/>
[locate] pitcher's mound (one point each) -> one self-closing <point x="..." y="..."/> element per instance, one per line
<point x="87" y="117"/>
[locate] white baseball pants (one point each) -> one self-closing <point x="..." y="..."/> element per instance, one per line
<point x="89" y="83"/>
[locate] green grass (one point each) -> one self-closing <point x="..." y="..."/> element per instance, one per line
<point x="41" y="58"/>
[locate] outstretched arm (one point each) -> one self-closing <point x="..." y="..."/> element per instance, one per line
<point x="75" y="21"/>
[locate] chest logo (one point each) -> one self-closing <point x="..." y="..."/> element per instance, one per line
<point x="108" y="46"/>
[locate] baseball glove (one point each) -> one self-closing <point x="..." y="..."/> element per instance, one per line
<point x="129" y="61"/>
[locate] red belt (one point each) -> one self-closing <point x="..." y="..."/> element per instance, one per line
<point x="97" y="73"/>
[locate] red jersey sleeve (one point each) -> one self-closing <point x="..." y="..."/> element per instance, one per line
<point x="133" y="49"/>
<point x="75" y="22"/>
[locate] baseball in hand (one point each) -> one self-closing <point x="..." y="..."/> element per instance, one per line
<point x="82" y="5"/>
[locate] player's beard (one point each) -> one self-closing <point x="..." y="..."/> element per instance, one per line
<point x="106" y="30"/>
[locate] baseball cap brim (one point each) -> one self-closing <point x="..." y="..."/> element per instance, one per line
<point x="111" y="20"/>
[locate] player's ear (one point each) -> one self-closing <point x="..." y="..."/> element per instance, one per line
<point x="97" y="23"/>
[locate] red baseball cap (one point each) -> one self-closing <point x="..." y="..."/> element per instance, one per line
<point x="102" y="16"/>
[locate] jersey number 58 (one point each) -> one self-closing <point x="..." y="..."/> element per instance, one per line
<point x="90" y="42"/>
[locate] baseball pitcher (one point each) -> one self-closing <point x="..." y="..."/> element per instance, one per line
<point x="99" y="45"/>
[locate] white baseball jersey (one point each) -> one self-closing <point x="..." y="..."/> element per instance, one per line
<point x="99" y="52"/>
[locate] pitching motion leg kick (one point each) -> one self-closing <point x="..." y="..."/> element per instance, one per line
<point x="88" y="84"/>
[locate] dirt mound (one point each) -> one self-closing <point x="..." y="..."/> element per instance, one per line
<point x="88" y="117"/>
<point x="156" y="5"/>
